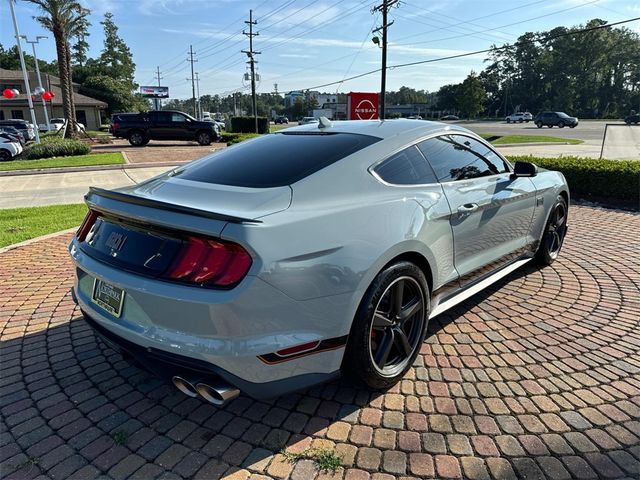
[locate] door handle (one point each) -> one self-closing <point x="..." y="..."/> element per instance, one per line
<point x="467" y="208"/>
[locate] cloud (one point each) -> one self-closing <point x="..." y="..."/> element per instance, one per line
<point x="295" y="55"/>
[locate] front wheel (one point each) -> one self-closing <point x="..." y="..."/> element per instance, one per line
<point x="508" y="120"/>
<point x="389" y="326"/>
<point x="539" y="124"/>
<point x="5" y="155"/>
<point x="554" y="233"/>
<point x="204" y="138"/>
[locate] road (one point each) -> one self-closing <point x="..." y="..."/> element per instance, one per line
<point x="591" y="131"/>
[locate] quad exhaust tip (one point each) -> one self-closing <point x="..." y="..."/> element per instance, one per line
<point x="217" y="394"/>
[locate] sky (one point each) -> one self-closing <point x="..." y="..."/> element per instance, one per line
<point x="309" y="43"/>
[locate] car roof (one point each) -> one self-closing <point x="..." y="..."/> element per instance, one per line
<point x="380" y="129"/>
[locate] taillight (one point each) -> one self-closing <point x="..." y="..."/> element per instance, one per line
<point x="88" y="222"/>
<point x="210" y="262"/>
<point x="115" y="126"/>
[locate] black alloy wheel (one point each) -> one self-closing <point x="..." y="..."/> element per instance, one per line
<point x="389" y="326"/>
<point x="4" y="155"/>
<point x="554" y="233"/>
<point x="397" y="326"/>
<point x="539" y="124"/>
<point x="560" y="124"/>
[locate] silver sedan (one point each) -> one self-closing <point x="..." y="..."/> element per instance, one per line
<point x="323" y="249"/>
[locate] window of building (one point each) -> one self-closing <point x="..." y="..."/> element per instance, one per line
<point x="17" y="114"/>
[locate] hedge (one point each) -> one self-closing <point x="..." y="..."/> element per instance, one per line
<point x="614" y="179"/>
<point x="57" y="147"/>
<point x="232" y="138"/>
<point x="247" y="125"/>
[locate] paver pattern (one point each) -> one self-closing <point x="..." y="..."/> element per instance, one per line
<point x="539" y="377"/>
<point x="159" y="151"/>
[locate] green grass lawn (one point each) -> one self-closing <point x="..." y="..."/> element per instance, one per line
<point x="19" y="224"/>
<point x="114" y="158"/>
<point x="508" y="139"/>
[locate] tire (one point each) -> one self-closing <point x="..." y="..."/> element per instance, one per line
<point x="550" y="126"/>
<point x="5" y="155"/>
<point x="138" y="138"/>
<point x="560" y="124"/>
<point x="402" y="337"/>
<point x="539" y="124"/>
<point x="520" y="121"/>
<point x="554" y="233"/>
<point x="508" y="120"/>
<point x="204" y="138"/>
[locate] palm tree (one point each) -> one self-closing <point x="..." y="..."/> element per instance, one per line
<point x="65" y="19"/>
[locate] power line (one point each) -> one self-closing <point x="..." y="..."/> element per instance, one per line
<point x="477" y="52"/>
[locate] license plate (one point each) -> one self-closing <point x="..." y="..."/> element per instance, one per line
<point x="108" y="297"/>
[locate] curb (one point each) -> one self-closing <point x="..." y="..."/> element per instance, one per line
<point x="89" y="168"/>
<point x="37" y="239"/>
<point x="535" y="144"/>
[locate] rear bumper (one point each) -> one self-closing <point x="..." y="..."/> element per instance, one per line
<point x="166" y="365"/>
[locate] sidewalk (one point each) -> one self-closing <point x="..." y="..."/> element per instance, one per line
<point x="551" y="150"/>
<point x="67" y="187"/>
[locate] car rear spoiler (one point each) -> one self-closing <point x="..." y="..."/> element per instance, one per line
<point x="147" y="202"/>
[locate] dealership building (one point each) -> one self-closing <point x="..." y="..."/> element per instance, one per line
<point x="89" y="111"/>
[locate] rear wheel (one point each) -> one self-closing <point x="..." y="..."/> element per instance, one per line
<point x="389" y="326"/>
<point x="554" y="233"/>
<point x="508" y="120"/>
<point x="138" y="139"/>
<point x="4" y="155"/>
<point x="204" y="138"/>
<point x="539" y="124"/>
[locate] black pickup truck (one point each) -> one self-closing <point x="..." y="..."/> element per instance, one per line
<point x="139" y="128"/>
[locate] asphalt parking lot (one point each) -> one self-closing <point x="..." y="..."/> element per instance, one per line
<point x="538" y="377"/>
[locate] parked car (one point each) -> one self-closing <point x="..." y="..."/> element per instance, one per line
<point x="15" y="134"/>
<point x="281" y="120"/>
<point x="56" y="124"/>
<point x="415" y="117"/>
<point x="139" y="128"/>
<point x="450" y="117"/>
<point x="308" y="120"/>
<point x="633" y="118"/>
<point x="519" y="117"/>
<point x="25" y="127"/>
<point x="9" y="148"/>
<point x="553" y="119"/>
<point x="284" y="260"/>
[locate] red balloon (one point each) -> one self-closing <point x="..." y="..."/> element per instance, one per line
<point x="8" y="93"/>
<point x="47" y="96"/>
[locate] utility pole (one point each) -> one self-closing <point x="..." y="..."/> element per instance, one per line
<point x="275" y="89"/>
<point x="193" y="79"/>
<point x="384" y="8"/>
<point x="25" y="74"/>
<point x="198" y="110"/>
<point x="250" y="53"/>
<point x="158" y="101"/>
<point x="35" y="57"/>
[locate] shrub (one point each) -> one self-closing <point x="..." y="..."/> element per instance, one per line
<point x="614" y="179"/>
<point x="247" y="125"/>
<point x="232" y="138"/>
<point x="57" y="147"/>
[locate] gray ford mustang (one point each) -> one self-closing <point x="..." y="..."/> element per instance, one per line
<point x="280" y="262"/>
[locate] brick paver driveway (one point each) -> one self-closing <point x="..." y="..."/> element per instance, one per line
<point x="538" y="377"/>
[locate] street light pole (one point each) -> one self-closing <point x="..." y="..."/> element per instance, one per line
<point x="35" y="57"/>
<point x="25" y="75"/>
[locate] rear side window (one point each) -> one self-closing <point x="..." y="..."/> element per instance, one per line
<point x="277" y="159"/>
<point x="406" y="168"/>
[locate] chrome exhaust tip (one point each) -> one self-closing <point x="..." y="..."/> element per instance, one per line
<point x="185" y="386"/>
<point x="218" y="394"/>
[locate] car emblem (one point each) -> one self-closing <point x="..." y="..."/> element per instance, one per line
<point x="115" y="241"/>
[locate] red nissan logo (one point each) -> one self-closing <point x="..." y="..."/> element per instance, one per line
<point x="366" y="110"/>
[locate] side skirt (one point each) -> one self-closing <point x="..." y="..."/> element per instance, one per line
<point x="476" y="287"/>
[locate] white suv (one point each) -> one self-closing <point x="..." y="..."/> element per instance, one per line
<point x="9" y="150"/>
<point x="519" y="117"/>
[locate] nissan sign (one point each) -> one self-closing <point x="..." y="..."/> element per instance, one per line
<point x="362" y="106"/>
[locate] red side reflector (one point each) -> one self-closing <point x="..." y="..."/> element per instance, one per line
<point x="305" y="347"/>
<point x="88" y="222"/>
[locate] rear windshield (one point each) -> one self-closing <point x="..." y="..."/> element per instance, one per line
<point x="277" y="159"/>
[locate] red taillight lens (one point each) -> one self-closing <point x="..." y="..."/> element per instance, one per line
<point x="210" y="262"/>
<point x="115" y="126"/>
<point x="88" y="222"/>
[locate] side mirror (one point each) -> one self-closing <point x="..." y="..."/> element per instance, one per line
<point x="524" y="169"/>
